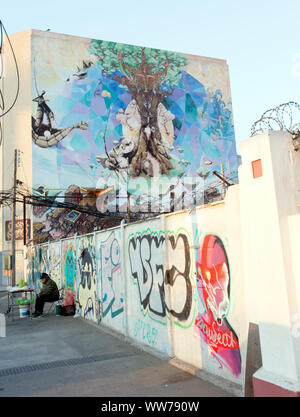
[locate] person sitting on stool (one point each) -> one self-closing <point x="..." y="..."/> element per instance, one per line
<point x="49" y="293"/>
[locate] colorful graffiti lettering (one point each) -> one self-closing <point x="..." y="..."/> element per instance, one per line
<point x="44" y="263"/>
<point x="111" y="278"/>
<point x="33" y="263"/>
<point x="86" y="282"/>
<point x="213" y="282"/>
<point x="87" y="270"/>
<point x="55" y="263"/>
<point x="69" y="268"/>
<point x="146" y="256"/>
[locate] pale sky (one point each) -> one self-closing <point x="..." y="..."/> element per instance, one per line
<point x="259" y="39"/>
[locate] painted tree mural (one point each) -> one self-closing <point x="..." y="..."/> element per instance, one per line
<point x="128" y="117"/>
<point x="149" y="75"/>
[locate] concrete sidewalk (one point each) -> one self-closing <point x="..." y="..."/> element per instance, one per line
<point x="59" y="356"/>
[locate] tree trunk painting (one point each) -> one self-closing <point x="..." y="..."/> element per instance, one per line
<point x="149" y="75"/>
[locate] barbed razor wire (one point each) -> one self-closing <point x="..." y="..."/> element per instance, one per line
<point x="284" y="117"/>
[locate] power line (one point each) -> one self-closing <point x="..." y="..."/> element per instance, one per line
<point x="4" y="111"/>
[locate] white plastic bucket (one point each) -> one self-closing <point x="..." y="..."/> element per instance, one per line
<point x="24" y="310"/>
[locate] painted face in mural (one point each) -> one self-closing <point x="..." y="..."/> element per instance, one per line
<point x="213" y="277"/>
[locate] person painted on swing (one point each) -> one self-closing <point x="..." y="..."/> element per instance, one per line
<point x="43" y="109"/>
<point x="49" y="293"/>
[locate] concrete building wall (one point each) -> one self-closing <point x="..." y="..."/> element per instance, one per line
<point x="145" y="281"/>
<point x="216" y="287"/>
<point x="269" y="207"/>
<point x="16" y="125"/>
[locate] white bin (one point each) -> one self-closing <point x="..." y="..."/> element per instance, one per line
<point x="24" y="310"/>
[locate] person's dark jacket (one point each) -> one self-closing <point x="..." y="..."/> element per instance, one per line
<point x="50" y="288"/>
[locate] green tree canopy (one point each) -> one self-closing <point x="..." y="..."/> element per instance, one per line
<point x="138" y="67"/>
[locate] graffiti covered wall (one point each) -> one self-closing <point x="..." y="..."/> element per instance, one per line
<point x="32" y="266"/>
<point x="86" y="289"/>
<point x="146" y="294"/>
<point x="110" y="281"/>
<point x="54" y="252"/>
<point x="105" y="113"/>
<point x="68" y="265"/>
<point x="170" y="284"/>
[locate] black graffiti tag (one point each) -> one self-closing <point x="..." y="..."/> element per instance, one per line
<point x="86" y="269"/>
<point x="173" y="274"/>
<point x="146" y="256"/>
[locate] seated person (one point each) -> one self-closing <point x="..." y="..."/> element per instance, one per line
<point x="49" y="293"/>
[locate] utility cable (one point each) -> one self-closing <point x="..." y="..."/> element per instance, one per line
<point x="2" y="101"/>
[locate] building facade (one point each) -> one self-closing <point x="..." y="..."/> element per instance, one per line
<point x="147" y="125"/>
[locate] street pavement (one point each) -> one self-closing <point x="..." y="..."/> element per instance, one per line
<point x="56" y="356"/>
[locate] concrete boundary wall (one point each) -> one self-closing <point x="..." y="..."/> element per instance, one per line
<point x="215" y="288"/>
<point x="170" y="285"/>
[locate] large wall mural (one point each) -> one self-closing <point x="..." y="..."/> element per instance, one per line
<point x="105" y="113"/>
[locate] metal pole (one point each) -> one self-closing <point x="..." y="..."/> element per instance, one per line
<point x="24" y="220"/>
<point x="128" y="206"/>
<point x="13" y="234"/>
<point x="223" y="184"/>
<point x="221" y="178"/>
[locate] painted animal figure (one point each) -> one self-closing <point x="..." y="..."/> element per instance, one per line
<point x="46" y="139"/>
<point x="42" y="110"/>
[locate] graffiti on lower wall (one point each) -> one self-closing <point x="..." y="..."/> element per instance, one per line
<point x="146" y="332"/>
<point x="213" y="282"/>
<point x="163" y="287"/>
<point x="55" y="263"/>
<point x="147" y="265"/>
<point x="88" y="299"/>
<point x="109" y="273"/>
<point x="33" y="263"/>
<point x="44" y="260"/>
<point x="68" y="265"/>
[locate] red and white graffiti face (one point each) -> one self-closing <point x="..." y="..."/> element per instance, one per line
<point x="213" y="276"/>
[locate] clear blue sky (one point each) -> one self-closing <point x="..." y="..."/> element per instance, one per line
<point x="259" y="39"/>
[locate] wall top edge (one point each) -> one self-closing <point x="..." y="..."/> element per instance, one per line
<point x="27" y="31"/>
<point x="49" y="34"/>
<point x="268" y="132"/>
<point x="16" y="35"/>
<point x="198" y="208"/>
<point x="159" y="216"/>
